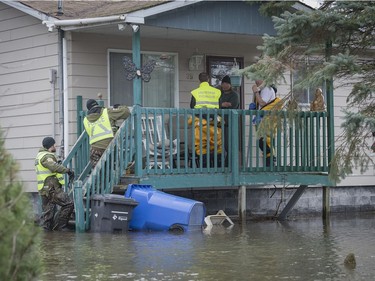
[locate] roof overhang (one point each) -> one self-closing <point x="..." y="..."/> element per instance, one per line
<point x="137" y="17"/>
<point x="27" y="10"/>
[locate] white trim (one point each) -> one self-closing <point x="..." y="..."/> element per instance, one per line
<point x="303" y="7"/>
<point x="140" y="15"/>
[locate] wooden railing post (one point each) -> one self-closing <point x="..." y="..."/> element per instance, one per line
<point x="79" y="208"/>
<point x="234" y="147"/>
<point x="138" y="141"/>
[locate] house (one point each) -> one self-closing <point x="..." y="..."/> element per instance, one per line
<point x="52" y="52"/>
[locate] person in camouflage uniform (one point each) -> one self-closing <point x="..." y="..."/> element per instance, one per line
<point x="50" y="180"/>
<point x="100" y="125"/>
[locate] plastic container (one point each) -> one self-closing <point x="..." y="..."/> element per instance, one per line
<point x="160" y="211"/>
<point x="111" y="213"/>
<point x="235" y="80"/>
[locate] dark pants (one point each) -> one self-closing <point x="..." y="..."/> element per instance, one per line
<point x="267" y="150"/>
<point x="212" y="160"/>
<point x="226" y="144"/>
<point x="95" y="155"/>
<point x="52" y="195"/>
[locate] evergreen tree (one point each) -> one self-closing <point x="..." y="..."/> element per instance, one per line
<point x="338" y="42"/>
<point x="19" y="239"/>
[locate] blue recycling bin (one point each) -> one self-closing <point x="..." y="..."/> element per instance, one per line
<point x="160" y="211"/>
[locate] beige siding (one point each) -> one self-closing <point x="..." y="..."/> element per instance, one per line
<point x="27" y="53"/>
<point x="356" y="179"/>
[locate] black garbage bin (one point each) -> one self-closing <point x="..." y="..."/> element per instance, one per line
<point x="111" y="213"/>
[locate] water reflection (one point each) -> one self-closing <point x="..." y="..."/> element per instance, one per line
<point x="303" y="249"/>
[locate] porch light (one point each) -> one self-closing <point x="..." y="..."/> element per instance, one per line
<point x="195" y="61"/>
<point x="135" y="27"/>
<point x="121" y="26"/>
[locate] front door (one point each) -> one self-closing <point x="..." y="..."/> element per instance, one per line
<point x="218" y="67"/>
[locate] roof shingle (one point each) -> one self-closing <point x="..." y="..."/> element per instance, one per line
<point x="90" y="9"/>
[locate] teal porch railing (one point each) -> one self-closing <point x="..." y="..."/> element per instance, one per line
<point x="161" y="146"/>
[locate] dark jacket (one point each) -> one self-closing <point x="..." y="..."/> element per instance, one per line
<point x="229" y="96"/>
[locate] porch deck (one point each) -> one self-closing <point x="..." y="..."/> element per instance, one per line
<point x="300" y="148"/>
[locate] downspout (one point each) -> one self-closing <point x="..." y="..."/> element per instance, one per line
<point x="53" y="76"/>
<point x="66" y="97"/>
<point x="61" y="90"/>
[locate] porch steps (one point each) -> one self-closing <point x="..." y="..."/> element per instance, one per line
<point x="119" y="189"/>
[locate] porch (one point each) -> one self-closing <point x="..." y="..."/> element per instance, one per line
<point x="163" y="152"/>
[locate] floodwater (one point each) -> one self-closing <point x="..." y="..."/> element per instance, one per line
<point x="300" y="249"/>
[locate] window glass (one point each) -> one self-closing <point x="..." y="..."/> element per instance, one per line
<point x="304" y="95"/>
<point x="158" y="92"/>
<point x="121" y="89"/>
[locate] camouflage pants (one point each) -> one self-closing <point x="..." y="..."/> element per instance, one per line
<point x="95" y="155"/>
<point x="52" y="195"/>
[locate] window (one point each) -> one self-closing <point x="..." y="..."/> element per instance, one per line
<point x="305" y="95"/>
<point x="160" y="91"/>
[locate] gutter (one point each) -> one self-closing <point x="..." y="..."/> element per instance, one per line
<point x="52" y="24"/>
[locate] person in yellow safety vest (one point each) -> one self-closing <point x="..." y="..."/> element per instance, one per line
<point x="265" y="98"/>
<point x="100" y="125"/>
<point x="206" y="96"/>
<point x="50" y="181"/>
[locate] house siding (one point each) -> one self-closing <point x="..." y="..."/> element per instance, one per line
<point x="217" y="16"/>
<point x="27" y="53"/>
<point x="356" y="178"/>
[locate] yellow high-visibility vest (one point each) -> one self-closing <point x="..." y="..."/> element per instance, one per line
<point x="100" y="129"/>
<point x="42" y="172"/>
<point x="206" y="96"/>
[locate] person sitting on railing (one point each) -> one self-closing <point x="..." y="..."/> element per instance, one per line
<point x="50" y="181"/>
<point x="265" y="98"/>
<point x="100" y="125"/>
<point x="206" y="96"/>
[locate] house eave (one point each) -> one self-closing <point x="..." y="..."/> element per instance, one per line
<point x="27" y="10"/>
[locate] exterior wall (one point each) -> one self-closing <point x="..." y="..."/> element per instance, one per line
<point x="268" y="202"/>
<point x="27" y="53"/>
<point x="355" y="179"/>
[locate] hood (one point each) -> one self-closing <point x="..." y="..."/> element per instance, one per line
<point x="94" y="113"/>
